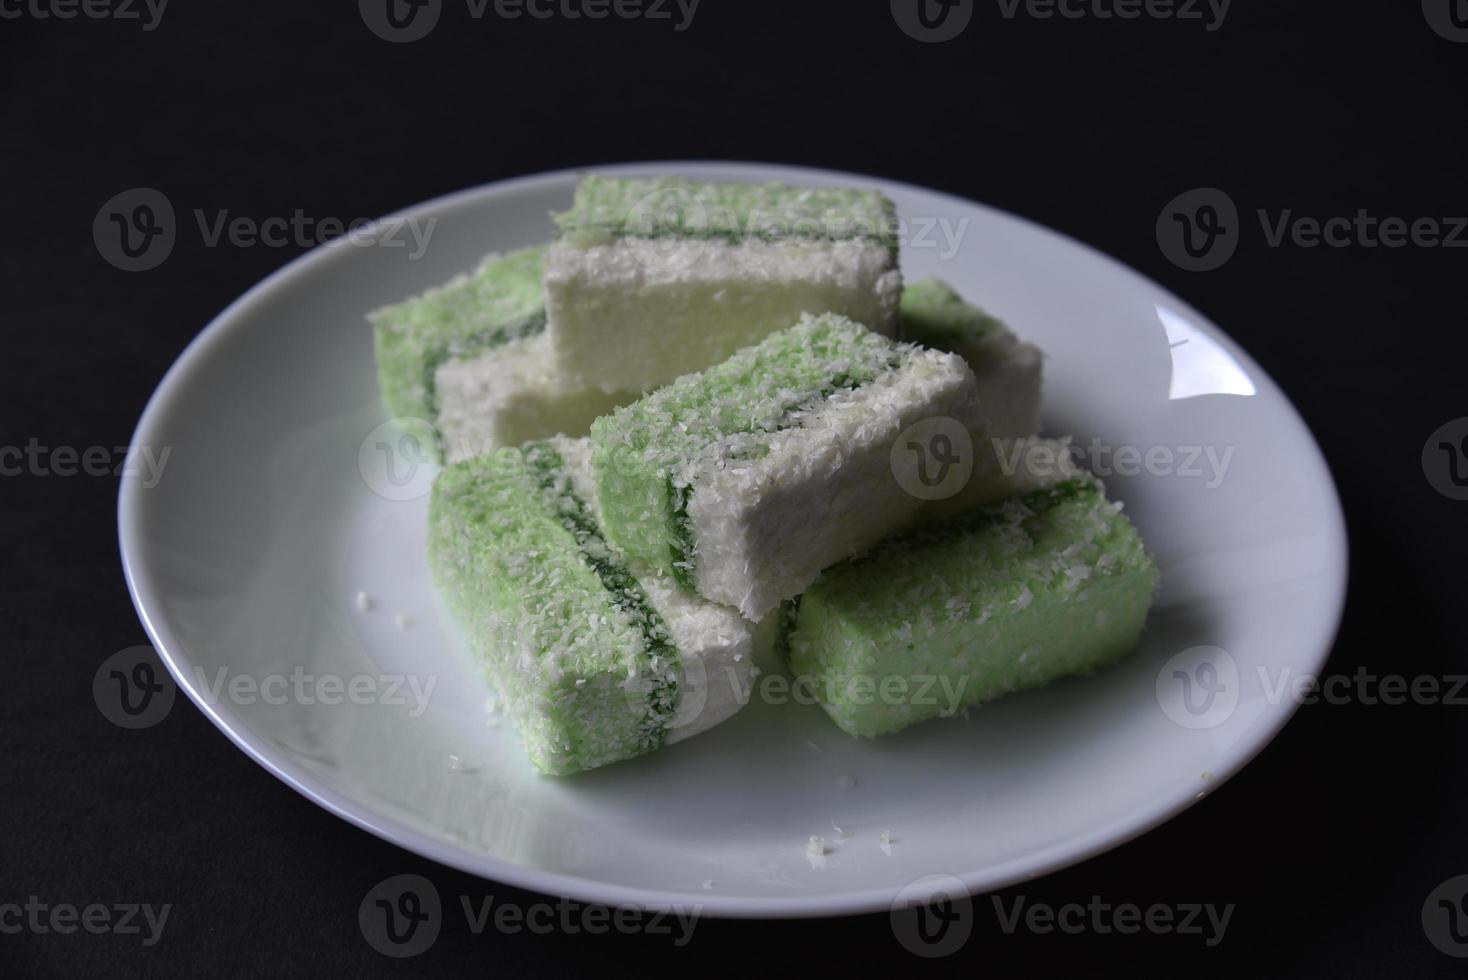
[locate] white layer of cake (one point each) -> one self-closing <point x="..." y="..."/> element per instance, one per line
<point x="763" y="526"/>
<point x="636" y="314"/>
<point x="511" y="394"/>
<point x="715" y="645"/>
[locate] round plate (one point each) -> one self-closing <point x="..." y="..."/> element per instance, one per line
<point x="284" y="497"/>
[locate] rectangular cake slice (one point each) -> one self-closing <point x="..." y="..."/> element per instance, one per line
<point x="1000" y="599"/>
<point x="467" y="366"/>
<point x="651" y="279"/>
<point x="595" y="660"/>
<point x="746" y="480"/>
<point x="1008" y="371"/>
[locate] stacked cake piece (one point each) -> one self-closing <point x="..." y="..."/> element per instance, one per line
<point x="598" y="658"/>
<point x="651" y="279"/>
<point x="748" y="372"/>
<point x="745" y="481"/>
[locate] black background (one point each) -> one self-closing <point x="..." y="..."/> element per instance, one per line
<point x="1328" y="844"/>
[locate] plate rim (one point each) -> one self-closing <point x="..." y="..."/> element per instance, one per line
<point x="1107" y="837"/>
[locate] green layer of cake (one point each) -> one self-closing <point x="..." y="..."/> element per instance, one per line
<point x="647" y="454"/>
<point x="935" y="315"/>
<point x="564" y="631"/>
<point x="608" y="208"/>
<point x="498" y="303"/>
<point x="998" y="600"/>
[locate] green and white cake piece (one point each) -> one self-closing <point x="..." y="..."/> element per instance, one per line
<point x="468" y="366"/>
<point x="1008" y="371"/>
<point x="595" y="660"/>
<point x="745" y="481"/>
<point x="651" y="279"/>
<point x="1000" y="599"/>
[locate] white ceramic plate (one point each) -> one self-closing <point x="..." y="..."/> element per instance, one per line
<point x="275" y="510"/>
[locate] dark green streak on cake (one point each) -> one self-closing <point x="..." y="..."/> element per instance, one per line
<point x="737" y="237"/>
<point x="548" y="469"/>
<point x="681" y="545"/>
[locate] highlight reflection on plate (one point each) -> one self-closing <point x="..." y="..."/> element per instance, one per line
<point x="1200" y="366"/>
